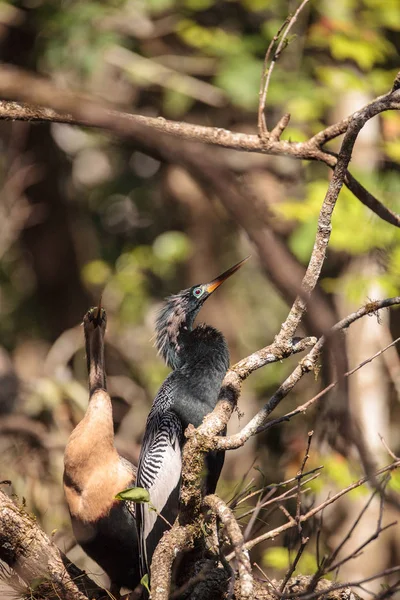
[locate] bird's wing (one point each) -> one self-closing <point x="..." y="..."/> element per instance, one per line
<point x="159" y="472"/>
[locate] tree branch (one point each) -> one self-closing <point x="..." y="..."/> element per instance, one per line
<point x="234" y="533"/>
<point x="63" y="106"/>
<point x="26" y="549"/>
<point x="174" y="540"/>
<point x="267" y="74"/>
<point x="312" y="512"/>
<point x="258" y="423"/>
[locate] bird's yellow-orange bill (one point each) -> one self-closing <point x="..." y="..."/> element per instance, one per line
<point x="215" y="283"/>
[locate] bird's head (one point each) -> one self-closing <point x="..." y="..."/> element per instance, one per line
<point x="94" y="326"/>
<point x="179" y="312"/>
<point x="95" y="318"/>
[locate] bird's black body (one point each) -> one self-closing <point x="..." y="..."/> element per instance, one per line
<point x="114" y="547"/>
<point x="94" y="473"/>
<point x="200" y="359"/>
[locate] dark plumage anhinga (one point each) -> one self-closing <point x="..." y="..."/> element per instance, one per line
<point x="94" y="473"/>
<point x="200" y="359"/>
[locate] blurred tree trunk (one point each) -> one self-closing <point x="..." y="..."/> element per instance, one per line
<point x="47" y="239"/>
<point x="62" y="297"/>
<point x="369" y="390"/>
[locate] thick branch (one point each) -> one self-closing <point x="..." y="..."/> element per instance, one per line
<point x="176" y="539"/>
<point x="38" y="562"/>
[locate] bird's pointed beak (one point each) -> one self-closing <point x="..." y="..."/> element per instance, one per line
<point x="97" y="318"/>
<point x="215" y="283"/>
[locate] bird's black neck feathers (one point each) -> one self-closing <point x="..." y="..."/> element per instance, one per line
<point x="199" y="357"/>
<point x="199" y="379"/>
<point x="173" y="326"/>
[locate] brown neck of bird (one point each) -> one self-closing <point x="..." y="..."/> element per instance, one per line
<point x="95" y="359"/>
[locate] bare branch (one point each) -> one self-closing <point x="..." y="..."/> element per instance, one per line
<point x="26" y="549"/>
<point x="66" y="107"/>
<point x="176" y="539"/>
<point x="258" y="423"/>
<point x="340" y="586"/>
<point x="262" y="95"/>
<point x="312" y="512"/>
<point x="292" y="568"/>
<point x="269" y="355"/>
<point x="236" y="538"/>
<point x="357" y="122"/>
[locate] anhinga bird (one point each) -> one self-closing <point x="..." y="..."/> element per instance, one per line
<point x="200" y="359"/>
<point x="94" y="473"/>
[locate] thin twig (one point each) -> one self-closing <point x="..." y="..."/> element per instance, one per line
<point x="266" y="78"/>
<point x="303" y="540"/>
<point x="259" y="424"/>
<point x="340" y="586"/>
<point x="262" y="125"/>
<point x="312" y="512"/>
<point x="299" y="475"/>
<point x="293" y="566"/>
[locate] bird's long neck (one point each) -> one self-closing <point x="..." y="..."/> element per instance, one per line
<point x="201" y="375"/>
<point x="91" y="460"/>
<point x="95" y="360"/>
<point x="94" y="435"/>
<point x="175" y="355"/>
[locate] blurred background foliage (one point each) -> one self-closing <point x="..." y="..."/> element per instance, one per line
<point x="84" y="215"/>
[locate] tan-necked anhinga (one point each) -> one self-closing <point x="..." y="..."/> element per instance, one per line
<point x="94" y="473"/>
<point x="199" y="358"/>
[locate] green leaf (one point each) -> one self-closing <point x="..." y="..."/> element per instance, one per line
<point x="96" y="272"/>
<point x="176" y="104"/>
<point x="239" y="77"/>
<point x="302" y="240"/>
<point x="134" y="494"/>
<point x="173" y="246"/>
<point x="278" y="558"/>
<point x="145" y="582"/>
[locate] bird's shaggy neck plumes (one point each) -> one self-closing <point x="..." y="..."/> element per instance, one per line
<point x="173" y="326"/>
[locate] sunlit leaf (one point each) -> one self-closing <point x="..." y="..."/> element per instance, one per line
<point x="96" y="272"/>
<point x="172" y="246"/>
<point x="277" y="558"/>
<point x="240" y="78"/>
<point x="134" y="494"/>
<point x="145" y="582"/>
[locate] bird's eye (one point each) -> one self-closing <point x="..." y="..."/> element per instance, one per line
<point x="197" y="292"/>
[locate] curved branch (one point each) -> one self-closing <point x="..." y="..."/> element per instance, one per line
<point x="216" y="422"/>
<point x="218" y="507"/>
<point x="356" y="123"/>
<point x="174" y="540"/>
<point x="259" y="422"/>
